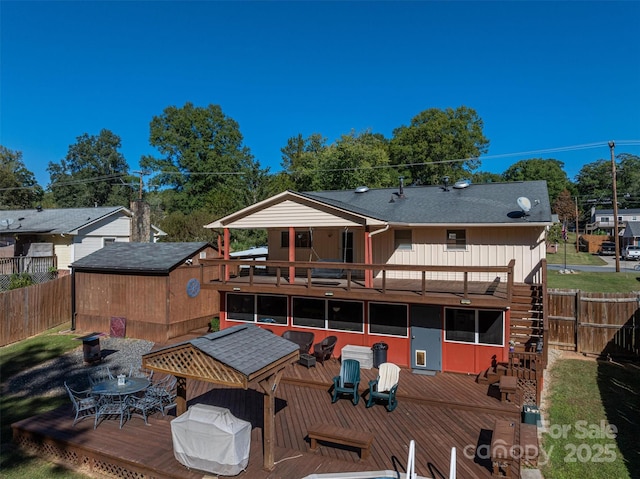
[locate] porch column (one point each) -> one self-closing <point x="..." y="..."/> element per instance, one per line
<point x="227" y="239"/>
<point x="292" y="254"/>
<point x="368" y="259"/>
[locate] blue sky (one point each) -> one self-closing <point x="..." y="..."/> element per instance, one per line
<point x="541" y="75"/>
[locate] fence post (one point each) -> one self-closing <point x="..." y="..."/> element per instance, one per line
<point x="578" y="314"/>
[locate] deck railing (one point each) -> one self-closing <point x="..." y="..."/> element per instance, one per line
<point x="352" y="271"/>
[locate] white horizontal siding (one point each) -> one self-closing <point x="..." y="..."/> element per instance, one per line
<point x="289" y="213"/>
<point x="113" y="226"/>
<point x="485" y="247"/>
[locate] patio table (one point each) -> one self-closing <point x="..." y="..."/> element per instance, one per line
<point x="108" y="390"/>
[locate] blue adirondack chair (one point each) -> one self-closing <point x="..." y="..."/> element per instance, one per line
<point x="384" y="387"/>
<point x="348" y="381"/>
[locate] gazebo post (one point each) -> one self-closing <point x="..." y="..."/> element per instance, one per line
<point x="181" y="397"/>
<point x="269" y="387"/>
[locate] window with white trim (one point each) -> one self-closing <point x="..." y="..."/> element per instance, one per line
<point x="474" y="326"/>
<point x="257" y="308"/>
<point x="388" y="319"/>
<point x="403" y="239"/>
<point x="328" y="314"/>
<point x="456" y="240"/>
<point x="107" y="241"/>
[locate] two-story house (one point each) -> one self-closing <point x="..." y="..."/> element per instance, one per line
<point x="449" y="276"/>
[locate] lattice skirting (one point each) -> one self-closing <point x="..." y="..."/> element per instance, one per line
<point x="529" y="391"/>
<point x="86" y="462"/>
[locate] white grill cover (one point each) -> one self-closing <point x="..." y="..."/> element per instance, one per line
<point x="211" y="439"/>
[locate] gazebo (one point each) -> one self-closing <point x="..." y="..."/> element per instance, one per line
<point x="233" y="357"/>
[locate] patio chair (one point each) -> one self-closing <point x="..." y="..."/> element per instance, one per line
<point x="324" y="349"/>
<point x="146" y="405"/>
<point x="84" y="404"/>
<point x="165" y="391"/>
<point x="303" y="339"/>
<point x="348" y="381"/>
<point x="112" y="406"/>
<point x="140" y="373"/>
<point x="384" y="387"/>
<point x="99" y="374"/>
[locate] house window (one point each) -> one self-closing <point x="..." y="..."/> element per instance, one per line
<point x="456" y="240"/>
<point x="474" y="326"/>
<point x="309" y="312"/>
<point x="303" y="239"/>
<point x="203" y="255"/>
<point x="241" y="307"/>
<point x="388" y="319"/>
<point x="107" y="241"/>
<point x="403" y="239"/>
<point x="261" y="308"/>
<point x="345" y="316"/>
<point x="271" y="309"/>
<point x="605" y="219"/>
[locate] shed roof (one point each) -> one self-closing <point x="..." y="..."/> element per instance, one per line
<point x="139" y="257"/>
<point x="234" y="356"/>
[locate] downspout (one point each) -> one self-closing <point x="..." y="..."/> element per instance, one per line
<point x="369" y="278"/>
<point x="73" y="300"/>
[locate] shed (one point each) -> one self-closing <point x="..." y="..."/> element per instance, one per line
<point x="144" y="290"/>
<point x="233" y="357"/>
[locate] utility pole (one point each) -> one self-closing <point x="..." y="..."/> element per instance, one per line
<point x="141" y="184"/>
<point x="612" y="147"/>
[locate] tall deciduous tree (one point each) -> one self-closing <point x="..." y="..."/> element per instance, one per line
<point x="565" y="207"/>
<point x="541" y="169"/>
<point x="628" y="176"/>
<point x="439" y="143"/>
<point x="203" y="159"/>
<point x="594" y="183"/>
<point x="93" y="173"/>
<point x="301" y="162"/>
<point x="18" y="186"/>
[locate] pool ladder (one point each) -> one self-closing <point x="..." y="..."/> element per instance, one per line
<point x="411" y="462"/>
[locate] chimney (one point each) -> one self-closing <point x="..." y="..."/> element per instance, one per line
<point x="141" y="222"/>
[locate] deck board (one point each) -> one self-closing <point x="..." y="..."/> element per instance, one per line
<point x="438" y="412"/>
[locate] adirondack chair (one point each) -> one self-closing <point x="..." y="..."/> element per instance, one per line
<point x="348" y="381"/>
<point x="384" y="387"/>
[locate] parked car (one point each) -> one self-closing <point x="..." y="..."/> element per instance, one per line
<point x="631" y="253"/>
<point x="608" y="248"/>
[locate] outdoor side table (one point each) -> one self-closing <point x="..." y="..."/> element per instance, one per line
<point x="307" y="360"/>
<point x="508" y="387"/>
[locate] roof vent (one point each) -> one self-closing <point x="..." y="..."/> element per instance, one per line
<point x="460" y="184"/>
<point x="445" y="183"/>
<point x="362" y="189"/>
<point x="38" y="208"/>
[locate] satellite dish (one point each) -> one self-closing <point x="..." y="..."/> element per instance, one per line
<point x="525" y="204"/>
<point x="460" y="184"/>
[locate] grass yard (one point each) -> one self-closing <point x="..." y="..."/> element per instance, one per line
<point x="593" y="417"/>
<point x="595" y="282"/>
<point x="14" y="463"/>
<point x="585" y="259"/>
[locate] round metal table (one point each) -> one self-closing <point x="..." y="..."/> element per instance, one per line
<point x="110" y="387"/>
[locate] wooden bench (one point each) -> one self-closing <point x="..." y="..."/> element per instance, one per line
<point x="340" y="435"/>
<point x="504" y="434"/>
<point x="529" y="444"/>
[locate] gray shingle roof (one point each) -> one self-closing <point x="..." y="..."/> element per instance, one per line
<point x="245" y="348"/>
<point x="487" y="203"/>
<point x="139" y="257"/>
<point x="54" y="221"/>
<point x="632" y="229"/>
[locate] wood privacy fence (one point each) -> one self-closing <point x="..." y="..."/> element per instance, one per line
<point x="594" y="323"/>
<point x="25" y="312"/>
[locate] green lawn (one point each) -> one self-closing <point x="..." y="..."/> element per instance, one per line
<point x="595" y="282"/>
<point x="587" y="259"/>
<point x="14" y="463"/>
<point x="593" y="423"/>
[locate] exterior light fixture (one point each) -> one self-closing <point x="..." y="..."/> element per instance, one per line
<point x="329" y="293"/>
<point x="236" y="289"/>
<point x="465" y="301"/>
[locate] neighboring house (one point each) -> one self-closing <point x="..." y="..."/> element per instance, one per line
<point x="150" y="290"/>
<point x="631" y="233"/>
<point x="64" y="235"/>
<point x="604" y="219"/>
<point x="446" y="276"/>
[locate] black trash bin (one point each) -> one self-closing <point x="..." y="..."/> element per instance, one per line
<point x="379" y="354"/>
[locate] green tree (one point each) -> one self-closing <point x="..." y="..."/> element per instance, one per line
<point x="439" y="143"/>
<point x="203" y="159"/>
<point x="628" y="177"/>
<point x="480" y="177"/>
<point x="18" y="186"/>
<point x="301" y="162"/>
<point x="541" y="169"/>
<point x="93" y="173"/>
<point x="594" y="184"/>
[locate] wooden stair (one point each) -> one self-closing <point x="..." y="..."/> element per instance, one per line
<point x="526" y="316"/>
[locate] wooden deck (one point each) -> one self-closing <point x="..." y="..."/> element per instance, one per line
<point x="439" y="412"/>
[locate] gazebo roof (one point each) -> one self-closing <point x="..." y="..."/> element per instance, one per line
<point x="233" y="357"/>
